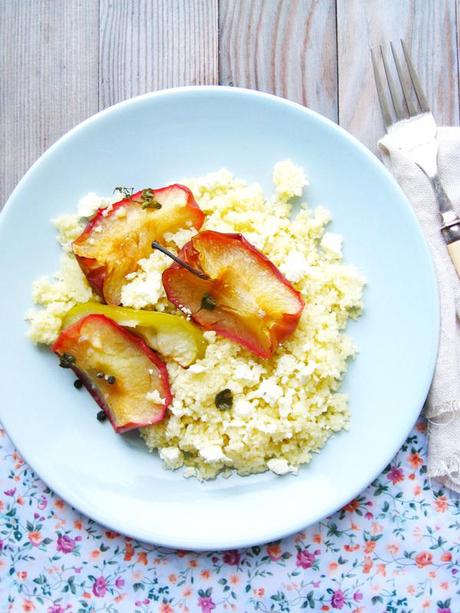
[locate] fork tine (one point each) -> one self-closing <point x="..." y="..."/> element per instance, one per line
<point x="387" y="120"/>
<point x="415" y="81"/>
<point x="405" y="86"/>
<point x="391" y="85"/>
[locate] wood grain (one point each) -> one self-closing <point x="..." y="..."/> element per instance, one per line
<point x="428" y="28"/>
<point x="283" y="47"/>
<point x="61" y="60"/>
<point x="152" y="44"/>
<point x="48" y="62"/>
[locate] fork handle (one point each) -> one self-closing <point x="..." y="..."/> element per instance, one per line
<point x="450" y="229"/>
<point x="454" y="252"/>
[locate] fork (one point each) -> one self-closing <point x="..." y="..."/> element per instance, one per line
<point x="418" y="140"/>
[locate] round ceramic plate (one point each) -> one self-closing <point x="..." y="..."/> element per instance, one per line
<point x="156" y="139"/>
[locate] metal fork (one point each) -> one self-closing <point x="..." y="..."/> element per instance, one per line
<point x="421" y="143"/>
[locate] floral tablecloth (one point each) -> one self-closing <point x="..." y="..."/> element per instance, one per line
<point x="394" y="548"/>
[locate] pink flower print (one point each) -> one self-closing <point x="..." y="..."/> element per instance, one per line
<point x="424" y="558"/>
<point x="357" y="596"/>
<point x="206" y="604"/>
<point x="305" y="559"/>
<point x="35" y="537"/>
<point x="232" y="558"/>
<point x="338" y="599"/>
<point x="42" y="503"/>
<point x="274" y="551"/>
<point x="100" y="587"/>
<point x="119" y="582"/>
<point x="65" y="544"/>
<point x="10" y="492"/>
<point x="395" y="475"/>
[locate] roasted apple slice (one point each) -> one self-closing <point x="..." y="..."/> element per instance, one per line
<point x="172" y="336"/>
<point x="125" y="377"/>
<point x="245" y="297"/>
<point x="115" y="240"/>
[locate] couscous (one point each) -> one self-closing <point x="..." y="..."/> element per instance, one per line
<point x="280" y="410"/>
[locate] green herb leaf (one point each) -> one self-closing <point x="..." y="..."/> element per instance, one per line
<point x="148" y="200"/>
<point x="125" y="191"/>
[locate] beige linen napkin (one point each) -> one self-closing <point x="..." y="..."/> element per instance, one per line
<point x="442" y="408"/>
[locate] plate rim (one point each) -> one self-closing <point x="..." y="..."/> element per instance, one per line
<point x="273" y="533"/>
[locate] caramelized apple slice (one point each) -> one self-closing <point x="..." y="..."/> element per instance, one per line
<point x="115" y="240"/>
<point x="245" y="298"/>
<point x="126" y="378"/>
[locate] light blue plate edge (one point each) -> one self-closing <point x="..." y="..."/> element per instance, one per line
<point x="433" y="306"/>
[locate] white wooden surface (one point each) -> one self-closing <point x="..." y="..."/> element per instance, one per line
<point x="429" y="29"/>
<point x="62" y="60"/>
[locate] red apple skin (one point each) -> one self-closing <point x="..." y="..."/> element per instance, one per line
<point x="99" y="271"/>
<point x="95" y="274"/>
<point x="69" y="337"/>
<point x="185" y="290"/>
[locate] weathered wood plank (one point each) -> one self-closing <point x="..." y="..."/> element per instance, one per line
<point x="284" y="47"/>
<point x="428" y="28"/>
<point x="152" y="44"/>
<point x="49" y="77"/>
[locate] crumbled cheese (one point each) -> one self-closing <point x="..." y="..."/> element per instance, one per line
<point x="212" y="453"/>
<point x="189" y="471"/>
<point x="197" y="368"/>
<point x="248" y="373"/>
<point x="242" y="407"/>
<point x="331" y="244"/>
<point x="179" y="238"/>
<point x="279" y="466"/>
<point x="287" y="365"/>
<point x="89" y="204"/>
<point x="269" y="390"/>
<point x="289" y="180"/>
<point x="172" y="457"/>
<point x="295" y="266"/>
<point x="154" y="396"/>
<point x="284" y="408"/>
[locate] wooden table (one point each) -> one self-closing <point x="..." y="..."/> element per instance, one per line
<point x="63" y="60"/>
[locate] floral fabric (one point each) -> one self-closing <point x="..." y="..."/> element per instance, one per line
<point x="395" y="548"/>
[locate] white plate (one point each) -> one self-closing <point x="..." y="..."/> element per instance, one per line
<point x="154" y="140"/>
